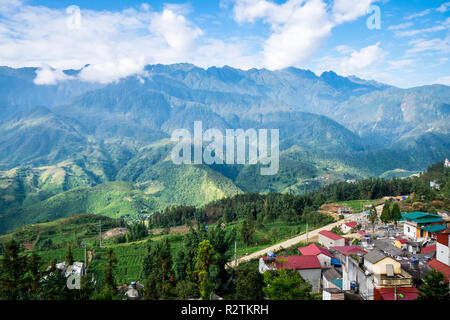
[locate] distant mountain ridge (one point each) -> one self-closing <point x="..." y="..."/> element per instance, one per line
<point x="89" y="135"/>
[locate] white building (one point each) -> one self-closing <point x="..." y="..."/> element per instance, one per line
<point x="76" y="268"/>
<point x="330" y="239"/>
<point x="348" y="226"/>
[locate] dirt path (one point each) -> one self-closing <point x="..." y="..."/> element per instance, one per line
<point x="289" y="243"/>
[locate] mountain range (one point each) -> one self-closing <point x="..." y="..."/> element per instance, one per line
<point x="77" y="147"/>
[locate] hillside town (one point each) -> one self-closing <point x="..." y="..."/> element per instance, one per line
<point x="385" y="263"/>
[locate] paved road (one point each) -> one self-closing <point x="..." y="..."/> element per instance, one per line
<point x="294" y="241"/>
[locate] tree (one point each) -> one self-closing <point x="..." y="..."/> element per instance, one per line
<point x="157" y="268"/>
<point x="247" y="233"/>
<point x="396" y="214"/>
<point x="286" y="284"/>
<point x="109" y="285"/>
<point x="435" y="287"/>
<point x="249" y="283"/>
<point x="54" y="287"/>
<point x="13" y="268"/>
<point x="386" y="215"/>
<point x="205" y="258"/>
<point x="34" y="267"/>
<point x="373" y="217"/>
<point x="69" y="256"/>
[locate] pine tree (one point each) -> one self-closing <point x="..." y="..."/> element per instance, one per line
<point x="373" y="217"/>
<point x="396" y="214"/>
<point x="247" y="233"/>
<point x="205" y="258"/>
<point x="13" y="268"/>
<point x="34" y="267"/>
<point x="386" y="215"/>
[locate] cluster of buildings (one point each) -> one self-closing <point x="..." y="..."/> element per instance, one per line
<point x="378" y="268"/>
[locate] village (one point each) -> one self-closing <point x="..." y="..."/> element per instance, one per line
<point x="386" y="262"/>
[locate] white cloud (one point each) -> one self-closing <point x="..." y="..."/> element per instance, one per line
<point x="364" y="58"/>
<point x="175" y="30"/>
<point x="444" y="7"/>
<point x="443" y="80"/>
<point x="409" y="33"/>
<point x="422" y="45"/>
<point x="400" y="26"/>
<point x="361" y="63"/>
<point x="419" y="14"/>
<point x="399" y="64"/>
<point x="349" y="10"/>
<point x="115" y="44"/>
<point x="298" y="26"/>
<point x="48" y="76"/>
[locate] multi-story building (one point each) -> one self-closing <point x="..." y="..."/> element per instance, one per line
<point x="420" y="226"/>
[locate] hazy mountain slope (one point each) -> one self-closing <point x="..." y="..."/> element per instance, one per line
<point x="38" y="136"/>
<point x="386" y="116"/>
<point x="17" y="88"/>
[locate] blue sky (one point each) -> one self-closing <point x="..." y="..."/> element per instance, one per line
<point x="117" y="38"/>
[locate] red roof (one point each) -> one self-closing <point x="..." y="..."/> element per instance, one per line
<point x="348" y="250"/>
<point x="298" y="262"/>
<point x="408" y="293"/>
<point x="428" y="249"/>
<point x="351" y="224"/>
<point x="443" y="238"/>
<point x="314" y="250"/>
<point x="362" y="232"/>
<point x="401" y="240"/>
<point x="439" y="266"/>
<point x="331" y="235"/>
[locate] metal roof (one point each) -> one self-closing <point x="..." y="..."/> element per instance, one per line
<point x="331" y="273"/>
<point x="421" y="217"/>
<point x="374" y="256"/>
<point x="434" y="228"/>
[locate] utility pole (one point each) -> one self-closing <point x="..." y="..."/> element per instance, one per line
<point x="395" y="292"/>
<point x="85" y="257"/>
<point x="235" y="253"/>
<point x="307" y="232"/>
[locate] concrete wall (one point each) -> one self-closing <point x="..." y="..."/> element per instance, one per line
<point x="409" y="230"/>
<point x="327" y="242"/>
<point x="352" y="272"/>
<point x="442" y="253"/>
<point x="345" y="228"/>
<point x="313" y="277"/>
<point x="380" y="266"/>
<point x="325" y="261"/>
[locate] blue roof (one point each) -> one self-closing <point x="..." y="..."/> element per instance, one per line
<point x="336" y="262"/>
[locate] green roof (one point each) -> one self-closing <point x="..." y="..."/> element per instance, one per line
<point x="337" y="282"/>
<point x="434" y="228"/>
<point x="421" y="217"/>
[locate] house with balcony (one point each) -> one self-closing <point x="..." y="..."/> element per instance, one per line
<point x="375" y="276"/>
<point x="421" y="226"/>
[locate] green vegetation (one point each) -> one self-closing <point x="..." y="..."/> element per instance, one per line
<point x="435" y="287"/>
<point x="286" y="284"/>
